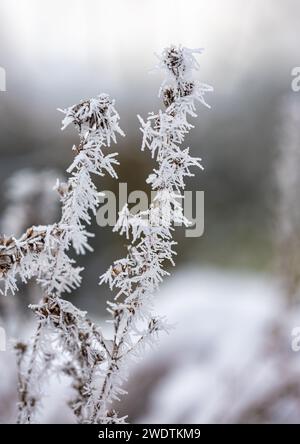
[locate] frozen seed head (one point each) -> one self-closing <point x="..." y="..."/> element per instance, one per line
<point x="183" y="89"/>
<point x="178" y="87"/>
<point x="5" y="259"/>
<point x="179" y="61"/>
<point x="90" y="113"/>
<point x="173" y="59"/>
<point x="96" y="119"/>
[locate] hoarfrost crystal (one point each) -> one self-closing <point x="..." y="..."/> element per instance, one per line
<point x="137" y="277"/>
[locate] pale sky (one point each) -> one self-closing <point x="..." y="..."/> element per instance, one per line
<point x="113" y="39"/>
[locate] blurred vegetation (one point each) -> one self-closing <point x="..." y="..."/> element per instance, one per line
<point x="236" y="140"/>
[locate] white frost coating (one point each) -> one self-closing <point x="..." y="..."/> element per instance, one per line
<point x="137" y="276"/>
<point x="41" y="251"/>
<point x="65" y="340"/>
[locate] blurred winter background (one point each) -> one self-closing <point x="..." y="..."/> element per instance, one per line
<point x="233" y="296"/>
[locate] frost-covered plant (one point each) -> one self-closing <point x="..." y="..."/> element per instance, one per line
<point x="65" y="339"/>
<point x="287" y="179"/>
<point x="137" y="276"/>
<point x="29" y="197"/>
<point x="41" y="251"/>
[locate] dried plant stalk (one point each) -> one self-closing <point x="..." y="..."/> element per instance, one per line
<point x="138" y="275"/>
<point x="65" y="339"/>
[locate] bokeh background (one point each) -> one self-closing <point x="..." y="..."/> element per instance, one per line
<point x="232" y="343"/>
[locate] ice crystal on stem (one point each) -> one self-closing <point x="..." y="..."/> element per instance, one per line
<point x="66" y="341"/>
<point x="138" y="275"/>
<point x="42" y="252"/>
<point x="42" y="249"/>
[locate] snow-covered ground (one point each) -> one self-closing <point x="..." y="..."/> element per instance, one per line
<point x="228" y="358"/>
